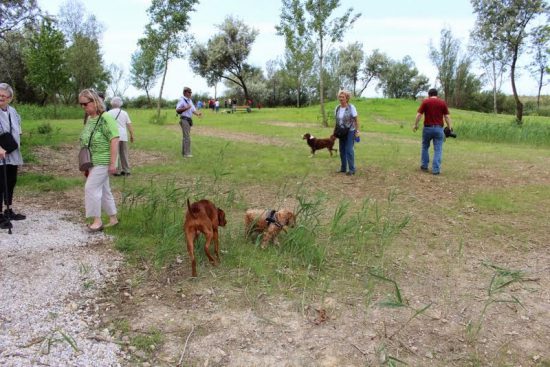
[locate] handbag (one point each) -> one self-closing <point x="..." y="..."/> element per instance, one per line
<point x="85" y="155"/>
<point x="341" y="131"/>
<point x="7" y="141"/>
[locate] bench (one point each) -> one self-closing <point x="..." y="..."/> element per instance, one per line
<point x="240" y="108"/>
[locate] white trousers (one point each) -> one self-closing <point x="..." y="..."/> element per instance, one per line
<point x="97" y="193"/>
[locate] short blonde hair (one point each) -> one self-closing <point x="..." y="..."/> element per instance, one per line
<point x="92" y="95"/>
<point x="346" y="93"/>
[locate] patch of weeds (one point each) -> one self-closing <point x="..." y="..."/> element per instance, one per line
<point x="388" y="360"/>
<point x="149" y="342"/>
<point x="501" y="281"/>
<point x="88" y="284"/>
<point x="121" y="325"/>
<point x="84" y="269"/>
<point x="45" y="129"/>
<point x="56" y="336"/>
<point x="45" y="183"/>
<point x="395" y="300"/>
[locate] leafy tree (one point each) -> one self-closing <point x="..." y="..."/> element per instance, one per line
<point x="298" y="58"/>
<point x="323" y="31"/>
<point x="350" y="59"/>
<point x="224" y="56"/>
<point x="12" y="66"/>
<point x="446" y="61"/>
<point x="402" y="80"/>
<point x="45" y="61"/>
<point x="166" y="33"/>
<point x="493" y="59"/>
<point x="15" y="14"/>
<point x="509" y="19"/>
<point x="145" y="69"/>
<point x="540" y="39"/>
<point x="85" y="66"/>
<point x="374" y="66"/>
<point x="466" y="84"/>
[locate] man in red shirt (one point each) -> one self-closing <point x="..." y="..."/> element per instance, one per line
<point x="435" y="111"/>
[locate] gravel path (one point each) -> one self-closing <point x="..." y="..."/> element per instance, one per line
<point x="51" y="271"/>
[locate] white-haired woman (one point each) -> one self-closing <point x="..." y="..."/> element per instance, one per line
<point x="124" y="127"/>
<point x="347" y="120"/>
<point x="10" y="122"/>
<point x="100" y="135"/>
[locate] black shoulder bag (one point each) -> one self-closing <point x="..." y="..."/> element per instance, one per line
<point x="7" y="141"/>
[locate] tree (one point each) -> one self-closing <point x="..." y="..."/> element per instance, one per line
<point x="224" y="56"/>
<point x="15" y="14"/>
<point x="492" y="57"/>
<point x="85" y="66"/>
<point x="166" y="33"/>
<point x="145" y="69"/>
<point x="323" y="31"/>
<point x="401" y="79"/>
<point x="73" y="20"/>
<point x="298" y="61"/>
<point x="509" y="19"/>
<point x="350" y="59"/>
<point x="374" y="66"/>
<point x="445" y="60"/>
<point x="46" y="62"/>
<point x="540" y="39"/>
<point x="118" y="81"/>
<point x="12" y="65"/>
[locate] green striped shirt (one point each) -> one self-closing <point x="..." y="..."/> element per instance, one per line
<point x="105" y="131"/>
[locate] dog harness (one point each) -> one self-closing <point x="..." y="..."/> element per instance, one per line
<point x="271" y="219"/>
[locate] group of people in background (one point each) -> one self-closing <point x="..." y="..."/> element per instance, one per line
<point x="107" y="136"/>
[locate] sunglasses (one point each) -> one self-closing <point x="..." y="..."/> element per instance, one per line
<point x="85" y="103"/>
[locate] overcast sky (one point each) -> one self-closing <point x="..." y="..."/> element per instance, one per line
<point x="396" y="27"/>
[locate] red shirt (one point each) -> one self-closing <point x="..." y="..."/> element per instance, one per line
<point x="433" y="109"/>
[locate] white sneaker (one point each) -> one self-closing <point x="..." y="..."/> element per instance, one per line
<point x="188" y="156"/>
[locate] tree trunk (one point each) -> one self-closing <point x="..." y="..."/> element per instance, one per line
<point x="495" y="109"/>
<point x="540" y="87"/>
<point x="519" y="105"/>
<point x="162" y="85"/>
<point x="298" y="91"/>
<point x="322" y="84"/>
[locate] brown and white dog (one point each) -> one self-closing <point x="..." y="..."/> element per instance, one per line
<point x="317" y="144"/>
<point x="268" y="222"/>
<point x="203" y="217"/>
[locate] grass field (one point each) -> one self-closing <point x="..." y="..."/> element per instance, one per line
<point x="390" y="267"/>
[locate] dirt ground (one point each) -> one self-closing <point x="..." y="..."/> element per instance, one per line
<point x="444" y="262"/>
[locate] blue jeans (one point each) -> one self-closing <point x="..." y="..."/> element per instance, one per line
<point x="347" y="155"/>
<point x="436" y="134"/>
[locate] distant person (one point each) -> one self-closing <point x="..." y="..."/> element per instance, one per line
<point x="10" y="122"/>
<point x="346" y="118"/>
<point x="435" y="110"/>
<point x="217" y="105"/>
<point x="100" y="135"/>
<point x="199" y="104"/>
<point x="186" y="109"/>
<point x="124" y="127"/>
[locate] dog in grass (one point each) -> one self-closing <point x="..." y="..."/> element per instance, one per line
<point x="318" y="144"/>
<point x="203" y="217"/>
<point x="268" y="223"/>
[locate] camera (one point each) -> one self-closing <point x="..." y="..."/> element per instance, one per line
<point x="449" y="133"/>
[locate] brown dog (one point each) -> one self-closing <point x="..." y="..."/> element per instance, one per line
<point x="202" y="217"/>
<point x="268" y="222"/>
<point x="317" y="144"/>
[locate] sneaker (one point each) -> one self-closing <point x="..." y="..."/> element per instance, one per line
<point x="13" y="216"/>
<point x="350" y="173"/>
<point x="188" y="156"/>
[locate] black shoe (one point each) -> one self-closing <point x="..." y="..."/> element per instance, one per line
<point x="340" y="171"/>
<point x="126" y="173"/>
<point x="9" y="213"/>
<point x="425" y="169"/>
<point x="4" y="224"/>
<point x="350" y="173"/>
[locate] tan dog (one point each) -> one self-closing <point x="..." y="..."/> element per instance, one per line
<point x="203" y="217"/>
<point x="268" y="222"/>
